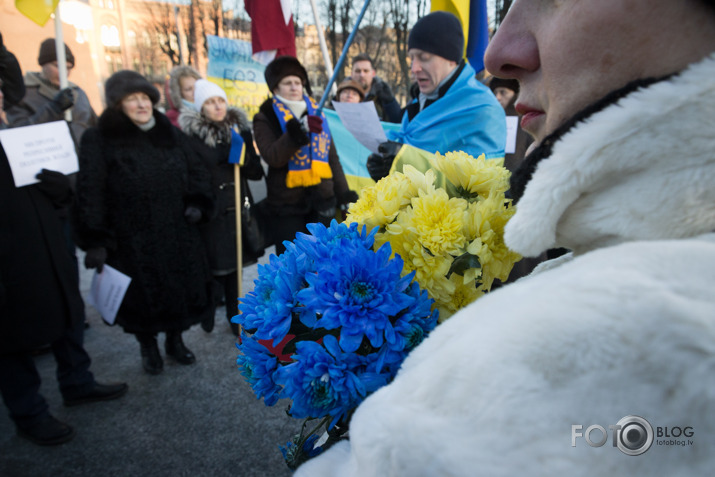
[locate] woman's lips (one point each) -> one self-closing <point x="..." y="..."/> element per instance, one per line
<point x="528" y="115"/>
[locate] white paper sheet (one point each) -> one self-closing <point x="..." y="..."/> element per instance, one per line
<point x="30" y="149"/>
<point x="362" y="121"/>
<point x="107" y="292"/>
<point x="512" y="125"/>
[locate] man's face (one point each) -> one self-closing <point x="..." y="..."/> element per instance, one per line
<point x="363" y="74"/>
<point x="566" y="54"/>
<point x="51" y="72"/>
<point x="429" y="69"/>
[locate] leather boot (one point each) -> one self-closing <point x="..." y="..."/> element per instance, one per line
<point x="176" y="348"/>
<point x="151" y="359"/>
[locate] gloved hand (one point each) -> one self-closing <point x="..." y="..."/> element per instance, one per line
<point x="55" y="185"/>
<point x="312" y="124"/>
<point x="347" y="197"/>
<point x="298" y="131"/>
<point x="95" y="258"/>
<point x="192" y="214"/>
<point x="379" y="164"/>
<point x="63" y="100"/>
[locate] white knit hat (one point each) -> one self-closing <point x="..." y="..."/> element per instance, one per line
<point x="204" y="90"/>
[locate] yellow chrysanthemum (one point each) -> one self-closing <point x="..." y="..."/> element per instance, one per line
<point x="437" y="221"/>
<point x="419" y="181"/>
<point x="378" y="205"/>
<point x="469" y="177"/>
<point x="463" y="295"/>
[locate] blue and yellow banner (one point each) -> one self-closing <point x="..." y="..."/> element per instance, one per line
<point x="240" y="76"/>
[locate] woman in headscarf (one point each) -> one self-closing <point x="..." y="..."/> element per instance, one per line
<point x="305" y="182"/>
<point x="141" y="196"/>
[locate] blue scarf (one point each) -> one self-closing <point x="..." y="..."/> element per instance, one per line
<point x="467" y="118"/>
<point x="309" y="165"/>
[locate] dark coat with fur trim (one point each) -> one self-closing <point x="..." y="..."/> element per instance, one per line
<point x="276" y="148"/>
<point x="132" y="191"/>
<point x="211" y="141"/>
<point x="37" y="299"/>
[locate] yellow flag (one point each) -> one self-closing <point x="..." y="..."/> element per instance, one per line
<point x="39" y="11"/>
<point x="460" y="8"/>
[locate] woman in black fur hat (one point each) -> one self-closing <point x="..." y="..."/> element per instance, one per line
<point x="305" y="181"/>
<point x="220" y="135"/>
<point x="141" y="196"/>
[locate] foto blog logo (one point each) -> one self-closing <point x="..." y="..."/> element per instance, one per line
<point x="633" y="435"/>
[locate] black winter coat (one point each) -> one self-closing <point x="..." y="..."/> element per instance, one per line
<point x="132" y="191"/>
<point x="211" y="141"/>
<point x="38" y="298"/>
<point x="276" y="148"/>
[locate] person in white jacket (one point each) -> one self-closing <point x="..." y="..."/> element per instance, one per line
<point x="601" y="362"/>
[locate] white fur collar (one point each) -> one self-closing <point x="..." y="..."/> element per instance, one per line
<point x="641" y="169"/>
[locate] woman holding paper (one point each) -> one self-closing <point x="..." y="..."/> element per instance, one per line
<point x="141" y="195"/>
<point x="305" y="181"/>
<point x="221" y="136"/>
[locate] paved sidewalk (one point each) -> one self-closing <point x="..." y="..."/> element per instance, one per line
<point x="199" y="420"/>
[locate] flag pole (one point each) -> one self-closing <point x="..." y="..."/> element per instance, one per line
<point x="341" y="60"/>
<point x="61" y="58"/>
<point x="323" y="46"/>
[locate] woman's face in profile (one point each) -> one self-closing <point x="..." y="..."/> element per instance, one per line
<point x="566" y="54"/>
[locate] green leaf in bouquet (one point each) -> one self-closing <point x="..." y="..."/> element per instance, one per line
<point x="463" y="263"/>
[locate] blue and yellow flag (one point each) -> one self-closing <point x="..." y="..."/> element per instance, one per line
<point x="473" y="16"/>
<point x="39" y="11"/>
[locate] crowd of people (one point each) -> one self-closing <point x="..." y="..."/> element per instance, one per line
<point x="156" y="197"/>
<point x="608" y="96"/>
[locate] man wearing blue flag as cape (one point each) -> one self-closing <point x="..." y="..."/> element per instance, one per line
<point x="453" y="110"/>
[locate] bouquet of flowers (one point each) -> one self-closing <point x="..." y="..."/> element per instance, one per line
<point x="329" y="321"/>
<point x="447" y="225"/>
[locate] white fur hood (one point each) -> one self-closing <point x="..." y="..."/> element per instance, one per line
<point x="621" y="176"/>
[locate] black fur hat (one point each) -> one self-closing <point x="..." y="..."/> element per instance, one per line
<point x="285" y="66"/>
<point x="126" y="82"/>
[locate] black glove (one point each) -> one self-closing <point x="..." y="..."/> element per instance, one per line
<point x="62" y="100"/>
<point x="347" y="197"/>
<point x="192" y="215"/>
<point x="379" y="164"/>
<point x="56" y="186"/>
<point x="295" y="130"/>
<point x="95" y="258"/>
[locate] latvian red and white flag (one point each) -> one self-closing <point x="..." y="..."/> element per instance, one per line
<point x="272" y="32"/>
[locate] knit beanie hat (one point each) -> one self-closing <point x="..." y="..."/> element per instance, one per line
<point x="203" y="90"/>
<point x="48" y="53"/>
<point x="125" y="82"/>
<point x="285" y="66"/>
<point x="439" y="33"/>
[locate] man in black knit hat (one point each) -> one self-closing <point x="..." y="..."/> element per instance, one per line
<point x="452" y="111"/>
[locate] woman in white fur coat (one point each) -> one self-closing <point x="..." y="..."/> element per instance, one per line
<point x="536" y="378"/>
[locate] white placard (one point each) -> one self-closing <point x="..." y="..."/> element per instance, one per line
<point x="362" y="121"/>
<point x="107" y="292"/>
<point x="30" y="149"/>
<point x="512" y="126"/>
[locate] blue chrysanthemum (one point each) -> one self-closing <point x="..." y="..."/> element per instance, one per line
<point x="323" y="381"/>
<point x="323" y="241"/>
<point x="258" y="366"/>
<point x="358" y="293"/>
<point x="269" y="308"/>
